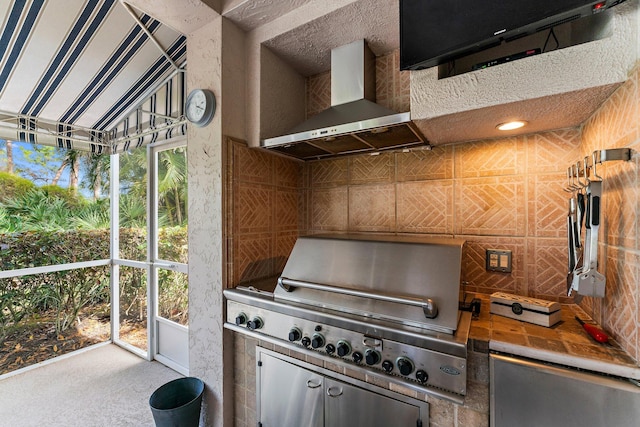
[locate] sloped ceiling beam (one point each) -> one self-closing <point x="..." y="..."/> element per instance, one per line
<point x="184" y="16"/>
<point x="149" y="34"/>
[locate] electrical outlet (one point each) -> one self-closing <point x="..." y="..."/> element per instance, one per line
<point x="498" y="260"/>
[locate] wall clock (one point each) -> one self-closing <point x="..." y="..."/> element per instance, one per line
<point x="200" y="107"/>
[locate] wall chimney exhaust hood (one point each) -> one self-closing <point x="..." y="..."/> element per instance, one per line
<point x="354" y="123"/>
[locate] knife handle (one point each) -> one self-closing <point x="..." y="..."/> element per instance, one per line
<point x="596" y="333"/>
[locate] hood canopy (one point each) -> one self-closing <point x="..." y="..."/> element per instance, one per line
<point x="354" y="123"/>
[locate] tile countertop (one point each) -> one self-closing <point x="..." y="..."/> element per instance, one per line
<point x="565" y="343"/>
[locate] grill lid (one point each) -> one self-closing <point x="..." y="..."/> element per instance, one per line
<point x="411" y="280"/>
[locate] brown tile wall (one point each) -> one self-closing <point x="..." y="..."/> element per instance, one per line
<point x="501" y="193"/>
<point x="617" y="124"/>
<point x="262" y="211"/>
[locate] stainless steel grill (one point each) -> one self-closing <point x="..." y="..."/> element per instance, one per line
<point x="385" y="305"/>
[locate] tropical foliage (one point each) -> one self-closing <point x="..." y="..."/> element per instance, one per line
<point x="50" y="225"/>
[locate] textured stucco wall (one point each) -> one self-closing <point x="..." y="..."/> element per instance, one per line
<point x="254" y="42"/>
<point x="207" y="338"/>
<point x="234" y="73"/>
<point x="282" y="95"/>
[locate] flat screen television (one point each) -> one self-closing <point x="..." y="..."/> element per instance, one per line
<point x="433" y="32"/>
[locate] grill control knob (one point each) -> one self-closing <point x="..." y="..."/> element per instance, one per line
<point x="255" y="323"/>
<point x="372" y="357"/>
<point x="405" y="366"/>
<point x="306" y="341"/>
<point x="343" y="348"/>
<point x="317" y="341"/>
<point x="387" y="365"/>
<point x="330" y="348"/>
<point x="294" y="334"/>
<point x="241" y="319"/>
<point x="357" y="357"/>
<point x="422" y="376"/>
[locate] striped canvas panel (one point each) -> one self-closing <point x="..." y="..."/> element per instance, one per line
<point x="84" y="64"/>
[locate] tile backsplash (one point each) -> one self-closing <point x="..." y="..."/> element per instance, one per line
<point x="262" y="205"/>
<point x="495" y="194"/>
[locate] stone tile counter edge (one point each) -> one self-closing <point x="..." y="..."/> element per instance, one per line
<point x="565" y="343"/>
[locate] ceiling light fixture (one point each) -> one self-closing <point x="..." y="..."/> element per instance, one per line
<point x="515" y="124"/>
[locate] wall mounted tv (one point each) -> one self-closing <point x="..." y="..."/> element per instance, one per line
<point x="433" y="32"/>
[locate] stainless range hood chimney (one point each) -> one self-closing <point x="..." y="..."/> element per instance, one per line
<point x="354" y="123"/>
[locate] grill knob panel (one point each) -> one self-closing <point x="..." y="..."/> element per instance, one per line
<point x="317" y="341"/>
<point x="343" y="348"/>
<point x="387" y="365"/>
<point x="255" y="323"/>
<point x="330" y="348"/>
<point x="306" y="341"/>
<point x="357" y="357"/>
<point x="372" y="357"/>
<point x="405" y="366"/>
<point x="294" y="334"/>
<point x="241" y="319"/>
<point x="422" y="376"/>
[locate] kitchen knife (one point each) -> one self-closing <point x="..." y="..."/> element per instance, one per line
<point x="596" y="333"/>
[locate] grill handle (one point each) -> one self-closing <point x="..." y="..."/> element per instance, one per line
<point x="428" y="305"/>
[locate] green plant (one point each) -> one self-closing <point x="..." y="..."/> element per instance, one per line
<point x="94" y="216"/>
<point x="68" y="297"/>
<point x="133" y="211"/>
<point x="9" y="223"/>
<point x="133" y="293"/>
<point x="173" y="296"/>
<point x="65" y="292"/>
<point x="71" y="199"/>
<point x="38" y="211"/>
<point x="13" y="185"/>
<point x="14" y="306"/>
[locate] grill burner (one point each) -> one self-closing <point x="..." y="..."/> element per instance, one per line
<point x="383" y="305"/>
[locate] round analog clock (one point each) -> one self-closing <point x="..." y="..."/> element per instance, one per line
<point x="200" y="107"/>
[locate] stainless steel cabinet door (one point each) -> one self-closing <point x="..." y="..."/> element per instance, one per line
<point x="529" y="394"/>
<point x="348" y="406"/>
<point x="290" y="396"/>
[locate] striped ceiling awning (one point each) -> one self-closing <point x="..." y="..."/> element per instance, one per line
<point x="74" y="73"/>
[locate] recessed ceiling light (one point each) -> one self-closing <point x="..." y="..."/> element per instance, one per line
<point x="515" y="124"/>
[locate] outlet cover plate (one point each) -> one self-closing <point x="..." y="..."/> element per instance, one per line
<point x="498" y="260"/>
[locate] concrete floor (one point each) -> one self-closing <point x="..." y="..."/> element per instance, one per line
<point x="102" y="387"/>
